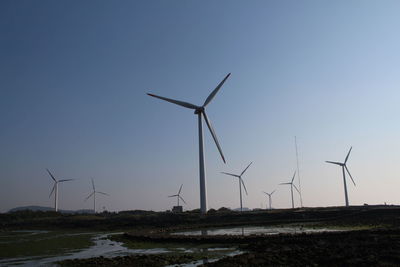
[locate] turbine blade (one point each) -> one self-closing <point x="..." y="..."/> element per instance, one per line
<point x="54" y="187"/>
<point x="294" y="175"/>
<point x="214" y="135"/>
<point x="350" y="175"/>
<point x="234" y="175"/>
<point x="51" y="175"/>
<point x="177" y="102"/>
<point x="295" y="187"/>
<point x="246" y="169"/>
<point x="181" y="198"/>
<point x="102" y="193"/>
<point x="89" y="196"/>
<point x="173" y="196"/>
<point x="215" y="91"/>
<point x="180" y="189"/>
<point x="285" y="183"/>
<point x="241" y="180"/>
<point x="94" y="189"/>
<point x="348" y="154"/>
<point x="65" y="180"/>
<point x="267" y="193"/>
<point x="334" y="162"/>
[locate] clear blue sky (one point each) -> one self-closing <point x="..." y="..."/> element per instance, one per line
<point x="74" y="76"/>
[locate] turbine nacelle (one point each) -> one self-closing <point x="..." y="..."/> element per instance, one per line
<point x="199" y="110"/>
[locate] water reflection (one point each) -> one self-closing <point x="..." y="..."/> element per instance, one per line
<point x="256" y="230"/>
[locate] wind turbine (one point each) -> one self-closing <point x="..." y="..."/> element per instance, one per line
<point x="269" y="197"/>
<point x="240" y="183"/>
<point x="94" y="196"/>
<point x="291" y="188"/>
<point x="178" y="196"/>
<point x="55" y="189"/>
<point x="344" y="167"/>
<point x="200" y="112"/>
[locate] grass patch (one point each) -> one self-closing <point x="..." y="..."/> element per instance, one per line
<point x="26" y="244"/>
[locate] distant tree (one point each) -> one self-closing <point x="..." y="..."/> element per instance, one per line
<point x="211" y="211"/>
<point x="195" y="211"/>
<point x="223" y="209"/>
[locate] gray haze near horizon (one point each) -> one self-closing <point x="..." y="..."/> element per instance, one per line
<point x="74" y="77"/>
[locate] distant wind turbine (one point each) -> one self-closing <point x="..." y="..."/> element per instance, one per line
<point x="344" y="167"/>
<point x="178" y="196"/>
<point x="269" y="197"/>
<point x="94" y="196"/>
<point x="240" y="183"/>
<point x="55" y="189"/>
<point x="291" y="188"/>
<point x="200" y="111"/>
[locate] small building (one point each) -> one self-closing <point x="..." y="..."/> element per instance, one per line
<point x="177" y="209"/>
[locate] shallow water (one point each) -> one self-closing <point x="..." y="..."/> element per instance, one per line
<point x="255" y="230"/>
<point x="101" y="247"/>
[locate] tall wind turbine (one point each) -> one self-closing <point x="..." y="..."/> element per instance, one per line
<point x="344" y="167"/>
<point x="178" y="196"/>
<point x="94" y="196"/>
<point x="269" y="197"/>
<point x="200" y="112"/>
<point x="240" y="183"/>
<point x="55" y="189"/>
<point x="291" y="188"/>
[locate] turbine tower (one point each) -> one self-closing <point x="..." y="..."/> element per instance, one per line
<point x="344" y="167"/>
<point x="269" y="198"/>
<point x="178" y="196"/>
<point x="240" y="183"/>
<point x="291" y="188"/>
<point x="200" y="112"/>
<point x="94" y="196"/>
<point x="55" y="189"/>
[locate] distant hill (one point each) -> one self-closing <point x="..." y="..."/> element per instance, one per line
<point x="40" y="208"/>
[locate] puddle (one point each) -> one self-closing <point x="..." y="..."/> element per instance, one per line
<point x="255" y="230"/>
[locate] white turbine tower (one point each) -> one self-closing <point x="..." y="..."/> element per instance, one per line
<point x="178" y="196"/>
<point x="55" y="189"/>
<point x="94" y="196"/>
<point x="291" y="188"/>
<point x="269" y="198"/>
<point x="240" y="183"/>
<point x="200" y="112"/>
<point x="344" y="167"/>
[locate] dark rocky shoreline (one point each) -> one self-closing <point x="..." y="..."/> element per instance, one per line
<point x="354" y="248"/>
<point x="133" y="260"/>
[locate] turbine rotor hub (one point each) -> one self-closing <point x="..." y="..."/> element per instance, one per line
<point x="199" y="110"/>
